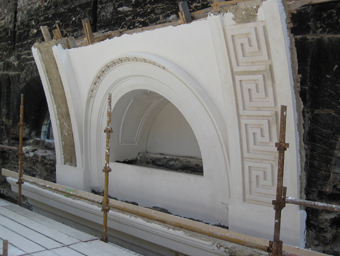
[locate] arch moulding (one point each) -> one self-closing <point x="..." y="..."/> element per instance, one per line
<point x="207" y="195"/>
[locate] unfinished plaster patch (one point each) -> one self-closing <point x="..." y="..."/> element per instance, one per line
<point x="245" y="12"/>
<point x="229" y="19"/>
<point x="59" y="100"/>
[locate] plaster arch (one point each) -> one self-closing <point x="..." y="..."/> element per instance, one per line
<point x="145" y="124"/>
<point x="206" y="197"/>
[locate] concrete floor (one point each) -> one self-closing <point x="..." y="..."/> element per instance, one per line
<point x="29" y="233"/>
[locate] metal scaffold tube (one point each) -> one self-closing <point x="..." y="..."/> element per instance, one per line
<point x="106" y="170"/>
<point x="8" y="147"/>
<point x="312" y="204"/>
<point x="20" y="152"/>
<point x="279" y="203"/>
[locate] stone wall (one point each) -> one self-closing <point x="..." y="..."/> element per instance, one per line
<point x="317" y="39"/>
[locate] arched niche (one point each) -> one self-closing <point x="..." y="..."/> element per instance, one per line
<point x="148" y="130"/>
<point x="152" y="80"/>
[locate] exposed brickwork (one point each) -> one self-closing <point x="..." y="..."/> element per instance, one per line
<point x="317" y="39"/>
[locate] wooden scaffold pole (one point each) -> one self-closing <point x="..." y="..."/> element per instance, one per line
<point x="4" y="248"/>
<point x="106" y="170"/>
<point x="20" y="152"/>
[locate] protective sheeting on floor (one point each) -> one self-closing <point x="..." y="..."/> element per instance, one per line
<point x="29" y="233"/>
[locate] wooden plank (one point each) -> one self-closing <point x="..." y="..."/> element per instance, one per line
<point x="185" y="13"/>
<point x="60" y="36"/>
<point x="56" y="34"/>
<point x="5" y="248"/>
<point x="66" y="251"/>
<point x="181" y="17"/>
<point x="217" y="5"/>
<point x="51" y="223"/>
<point x="18" y="241"/>
<point x="28" y="233"/>
<point x="12" y="250"/>
<point x="49" y="232"/>
<point x="88" y="31"/>
<point x="46" y="33"/>
<point x="201" y="12"/>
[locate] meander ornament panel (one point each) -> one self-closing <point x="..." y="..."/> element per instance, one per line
<point x="257" y="108"/>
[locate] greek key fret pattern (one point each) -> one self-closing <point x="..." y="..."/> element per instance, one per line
<point x="257" y="108"/>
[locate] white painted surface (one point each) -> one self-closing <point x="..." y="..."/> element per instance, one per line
<point x="171" y="134"/>
<point x="227" y="80"/>
<point x="144" y="121"/>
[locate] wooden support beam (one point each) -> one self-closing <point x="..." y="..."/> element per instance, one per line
<point x="88" y="31"/>
<point x="184" y="13"/>
<point x="216" y="5"/>
<point x="5" y="248"/>
<point x="46" y="33"/>
<point x="56" y="33"/>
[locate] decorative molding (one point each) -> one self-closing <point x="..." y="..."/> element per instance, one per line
<point x="257" y="108"/>
<point x="99" y="77"/>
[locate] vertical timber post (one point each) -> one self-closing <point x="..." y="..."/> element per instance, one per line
<point x="106" y="170"/>
<point x="184" y="12"/>
<point x="279" y="203"/>
<point x="5" y="248"/>
<point x="20" y="153"/>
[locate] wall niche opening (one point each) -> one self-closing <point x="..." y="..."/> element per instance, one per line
<point x="149" y="131"/>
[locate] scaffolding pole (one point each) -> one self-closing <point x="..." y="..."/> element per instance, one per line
<point x="20" y="152"/>
<point x="279" y="203"/>
<point x="106" y="170"/>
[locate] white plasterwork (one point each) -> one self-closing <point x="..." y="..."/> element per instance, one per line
<point x="227" y="80"/>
